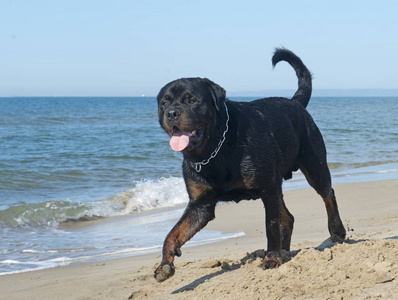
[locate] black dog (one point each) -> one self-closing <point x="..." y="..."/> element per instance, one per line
<point x="243" y="150"/>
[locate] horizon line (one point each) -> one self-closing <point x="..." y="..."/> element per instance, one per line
<point x="363" y="92"/>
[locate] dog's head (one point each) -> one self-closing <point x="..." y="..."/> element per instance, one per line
<point x="188" y="109"/>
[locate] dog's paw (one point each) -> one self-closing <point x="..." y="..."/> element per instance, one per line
<point x="270" y="263"/>
<point x="164" y="272"/>
<point x="337" y="233"/>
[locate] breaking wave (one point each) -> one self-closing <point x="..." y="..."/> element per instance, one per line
<point x="146" y="195"/>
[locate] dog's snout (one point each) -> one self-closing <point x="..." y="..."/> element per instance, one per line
<point x="173" y="113"/>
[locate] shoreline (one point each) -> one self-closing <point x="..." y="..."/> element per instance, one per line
<point x="101" y="238"/>
<point x="369" y="210"/>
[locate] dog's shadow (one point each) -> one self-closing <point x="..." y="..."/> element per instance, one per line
<point x="251" y="257"/>
<point x="193" y="285"/>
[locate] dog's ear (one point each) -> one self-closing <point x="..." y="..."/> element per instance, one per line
<point x="217" y="92"/>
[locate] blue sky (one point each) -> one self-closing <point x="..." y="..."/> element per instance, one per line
<point x="131" y="48"/>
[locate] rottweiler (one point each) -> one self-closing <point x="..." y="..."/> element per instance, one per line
<point x="237" y="151"/>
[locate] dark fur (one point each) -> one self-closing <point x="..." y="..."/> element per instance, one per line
<point x="267" y="140"/>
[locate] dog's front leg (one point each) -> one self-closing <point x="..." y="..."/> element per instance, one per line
<point x="195" y="217"/>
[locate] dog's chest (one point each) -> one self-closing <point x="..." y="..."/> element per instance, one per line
<point x="229" y="187"/>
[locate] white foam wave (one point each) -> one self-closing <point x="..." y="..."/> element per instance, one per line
<point x="146" y="195"/>
<point x="31" y="251"/>
<point x="35" y="266"/>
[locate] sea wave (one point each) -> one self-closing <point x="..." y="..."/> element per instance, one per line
<point x="149" y="195"/>
<point x="146" y="195"/>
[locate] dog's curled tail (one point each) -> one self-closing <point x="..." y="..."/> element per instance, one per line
<point x="303" y="94"/>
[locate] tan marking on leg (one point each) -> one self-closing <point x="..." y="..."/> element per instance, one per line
<point x="286" y="226"/>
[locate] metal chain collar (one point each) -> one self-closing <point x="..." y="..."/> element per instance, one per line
<point x="198" y="165"/>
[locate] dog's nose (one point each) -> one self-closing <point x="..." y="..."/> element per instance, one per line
<point x="173" y="113"/>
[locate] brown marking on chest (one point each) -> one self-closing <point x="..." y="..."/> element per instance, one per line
<point x="197" y="190"/>
<point x="249" y="182"/>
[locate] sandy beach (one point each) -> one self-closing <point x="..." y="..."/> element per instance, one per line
<point x="364" y="267"/>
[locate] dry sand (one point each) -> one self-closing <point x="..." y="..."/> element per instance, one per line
<point x="364" y="267"/>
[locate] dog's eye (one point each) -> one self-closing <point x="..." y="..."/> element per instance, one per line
<point x="191" y="101"/>
<point x="164" y="103"/>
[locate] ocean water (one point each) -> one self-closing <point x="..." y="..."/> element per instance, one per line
<point x="88" y="179"/>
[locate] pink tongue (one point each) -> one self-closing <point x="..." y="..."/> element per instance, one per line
<point x="179" y="141"/>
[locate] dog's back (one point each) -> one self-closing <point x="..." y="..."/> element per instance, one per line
<point x="286" y="124"/>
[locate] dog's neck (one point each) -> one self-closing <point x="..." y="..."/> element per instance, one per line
<point x="197" y="165"/>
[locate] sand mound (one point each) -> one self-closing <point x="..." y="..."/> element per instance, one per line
<point x="357" y="269"/>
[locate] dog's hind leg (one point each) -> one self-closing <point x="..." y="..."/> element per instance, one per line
<point x="272" y="204"/>
<point x="313" y="163"/>
<point x="336" y="227"/>
<point x="318" y="176"/>
<point x="287" y="221"/>
<point x="194" y="218"/>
